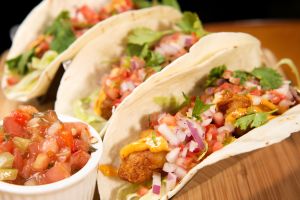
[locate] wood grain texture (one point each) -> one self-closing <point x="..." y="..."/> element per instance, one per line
<point x="269" y="173"/>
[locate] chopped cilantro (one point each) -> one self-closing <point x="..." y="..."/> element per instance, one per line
<point x="215" y="74"/>
<point x="142" y="36"/>
<point x="187" y="100"/>
<point x="62" y="31"/>
<point x="269" y="78"/>
<point x="20" y="63"/>
<point x="190" y="23"/>
<point x="199" y="108"/>
<point x="137" y="50"/>
<point x="252" y="120"/>
<point x="242" y="75"/>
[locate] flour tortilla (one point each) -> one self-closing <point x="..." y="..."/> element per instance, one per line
<point x="186" y="76"/>
<point x="93" y="61"/>
<point x="40" y="18"/>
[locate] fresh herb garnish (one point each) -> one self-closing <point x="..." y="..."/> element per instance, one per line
<point x="199" y="108"/>
<point x="215" y="74"/>
<point x="20" y="63"/>
<point x="252" y="120"/>
<point x="190" y="23"/>
<point x="153" y="136"/>
<point x="187" y="100"/>
<point x="269" y="78"/>
<point x="242" y="75"/>
<point x="62" y="32"/>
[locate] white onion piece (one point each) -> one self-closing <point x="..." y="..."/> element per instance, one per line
<point x="34" y="122"/>
<point x="54" y="128"/>
<point x="193" y="146"/>
<point x="169" y="167"/>
<point x="180" y="172"/>
<point x="226" y="128"/>
<point x="206" y="122"/>
<point x="156" y="184"/>
<point x="173" y="155"/>
<point x="256" y="100"/>
<point x="218" y="118"/>
<point x="171" y="181"/>
<point x="168" y="134"/>
<point x="184" y="152"/>
<point x="50" y="144"/>
<point x="127" y="86"/>
<point x="181" y="135"/>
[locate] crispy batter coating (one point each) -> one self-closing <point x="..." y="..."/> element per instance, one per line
<point x="231" y="102"/>
<point x="138" y="167"/>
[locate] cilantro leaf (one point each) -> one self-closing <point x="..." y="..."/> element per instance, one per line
<point x="253" y="120"/>
<point x="242" y="75"/>
<point x="154" y="59"/>
<point x="190" y="23"/>
<point x="215" y="74"/>
<point x="187" y="100"/>
<point x="269" y="78"/>
<point x="172" y="3"/>
<point x="142" y="36"/>
<point x="137" y="50"/>
<point x="20" y="63"/>
<point x="199" y="108"/>
<point x="62" y="31"/>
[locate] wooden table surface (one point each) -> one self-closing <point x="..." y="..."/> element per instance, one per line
<point x="269" y="173"/>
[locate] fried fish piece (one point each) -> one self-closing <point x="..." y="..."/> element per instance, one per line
<point x="138" y="167"/>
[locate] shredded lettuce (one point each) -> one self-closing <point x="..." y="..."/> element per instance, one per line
<point x="39" y="64"/>
<point x="83" y="110"/>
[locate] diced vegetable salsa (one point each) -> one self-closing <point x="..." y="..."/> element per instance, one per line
<point x="37" y="148"/>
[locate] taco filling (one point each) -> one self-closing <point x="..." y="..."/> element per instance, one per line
<point x="25" y="69"/>
<point x="146" y="53"/>
<point x="230" y="105"/>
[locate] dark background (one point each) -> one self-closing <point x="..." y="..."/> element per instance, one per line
<point x="13" y="12"/>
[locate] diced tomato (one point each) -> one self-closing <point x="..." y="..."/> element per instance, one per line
<point x="276" y="97"/>
<point x="12" y="80"/>
<point x="21" y="117"/>
<point x="7" y="146"/>
<point x="33" y="149"/>
<point x="27" y="171"/>
<point x="168" y="119"/>
<point x="78" y="160"/>
<point x="142" y="191"/>
<point x="256" y="92"/>
<point x="80" y="145"/>
<point x="217" y="145"/>
<point x="18" y="160"/>
<point x="58" y="172"/>
<point x="65" y="139"/>
<point x="211" y="132"/>
<point x="13" y="127"/>
<point x="76" y="128"/>
<point x="90" y="15"/>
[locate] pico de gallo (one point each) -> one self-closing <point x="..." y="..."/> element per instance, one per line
<point x="231" y="104"/>
<point x="37" y="148"/>
<point x="146" y="53"/>
<point x="26" y="68"/>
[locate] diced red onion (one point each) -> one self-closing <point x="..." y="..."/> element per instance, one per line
<point x="169" y="167"/>
<point x="193" y="146"/>
<point x="220" y="81"/>
<point x="156" y="184"/>
<point x="180" y="172"/>
<point x="180" y="135"/>
<point x="184" y="152"/>
<point x="171" y="181"/>
<point x="173" y="155"/>
<point x="256" y="100"/>
<point x="206" y="122"/>
<point x="218" y="118"/>
<point x="226" y="128"/>
<point x="195" y="135"/>
<point x="168" y="134"/>
<point x="127" y="86"/>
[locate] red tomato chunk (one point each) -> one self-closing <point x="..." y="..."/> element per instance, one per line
<point x="37" y="148"/>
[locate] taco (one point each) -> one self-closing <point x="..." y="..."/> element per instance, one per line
<point x="106" y="71"/>
<point x="52" y="33"/>
<point x="174" y="125"/>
